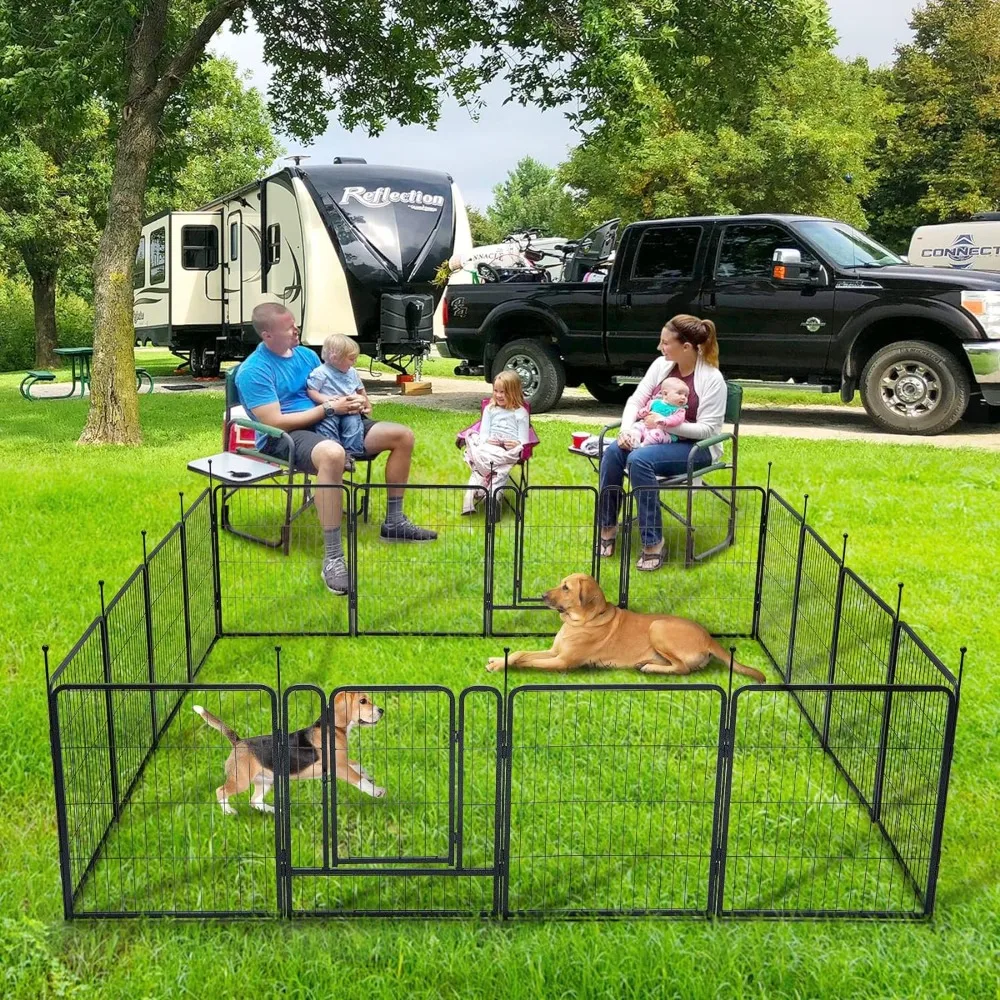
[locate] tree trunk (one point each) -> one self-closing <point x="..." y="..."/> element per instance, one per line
<point x="114" y="403"/>
<point x="43" y="292"/>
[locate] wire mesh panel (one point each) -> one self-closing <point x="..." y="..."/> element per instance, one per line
<point x="173" y="850"/>
<point x="815" y="619"/>
<point x="85" y="769"/>
<point x="552" y="536"/>
<point x="918" y="744"/>
<point x="479" y="807"/>
<point x="718" y="592"/>
<point x="424" y="588"/>
<point x="797" y="840"/>
<point x="305" y="719"/>
<point x="133" y="708"/>
<point x="398" y="802"/>
<point x="612" y="798"/>
<point x="263" y="591"/>
<point x="777" y="579"/>
<point x="558" y="537"/>
<point x="864" y="643"/>
<point x="169" y="631"/>
<point x="198" y="568"/>
<point x="428" y="845"/>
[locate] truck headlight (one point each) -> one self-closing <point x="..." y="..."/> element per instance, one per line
<point x="985" y="306"/>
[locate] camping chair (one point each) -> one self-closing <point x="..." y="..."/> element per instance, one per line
<point x="694" y="477"/>
<point x="241" y="463"/>
<point x="521" y="468"/>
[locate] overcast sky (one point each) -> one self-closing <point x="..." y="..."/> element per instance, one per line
<point x="478" y="154"/>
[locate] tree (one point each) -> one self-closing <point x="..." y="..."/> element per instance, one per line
<point x="54" y="179"/>
<point x="532" y="197"/>
<point x="217" y="136"/>
<point x="942" y="160"/>
<point x="798" y="136"/>
<point x="47" y="178"/>
<point x="372" y="62"/>
<point x="484" y="232"/>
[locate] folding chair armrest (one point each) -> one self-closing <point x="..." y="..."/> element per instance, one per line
<point x="269" y="431"/>
<point x="600" y="438"/>
<point x="704" y="443"/>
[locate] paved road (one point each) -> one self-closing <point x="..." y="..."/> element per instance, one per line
<point x="841" y="423"/>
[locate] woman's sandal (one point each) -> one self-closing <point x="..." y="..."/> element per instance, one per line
<point x="650" y="561"/>
<point x="607" y="549"/>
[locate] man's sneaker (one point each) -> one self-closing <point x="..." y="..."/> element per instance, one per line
<point x="335" y="576"/>
<point x="404" y="530"/>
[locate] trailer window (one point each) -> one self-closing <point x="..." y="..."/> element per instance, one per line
<point x="139" y="267"/>
<point x="199" y="248"/>
<point x="234" y="241"/>
<point x="667" y="253"/>
<point x="158" y="256"/>
<point x="274" y="243"/>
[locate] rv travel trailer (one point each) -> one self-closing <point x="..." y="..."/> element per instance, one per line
<point x="349" y="248"/>
<point x="967" y="246"/>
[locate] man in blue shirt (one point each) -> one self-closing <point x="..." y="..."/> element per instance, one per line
<point x="272" y="386"/>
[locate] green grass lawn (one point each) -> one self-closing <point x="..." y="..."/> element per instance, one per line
<point x="73" y="516"/>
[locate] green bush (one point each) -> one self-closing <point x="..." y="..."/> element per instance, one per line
<point x="74" y="322"/>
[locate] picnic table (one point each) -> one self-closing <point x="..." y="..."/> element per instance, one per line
<point x="79" y="359"/>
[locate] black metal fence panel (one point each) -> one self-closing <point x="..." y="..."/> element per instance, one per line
<point x="611" y="799"/>
<point x="173" y="849"/>
<point x="262" y="590"/>
<point x="778" y="575"/>
<point x="797" y="840"/>
<point x="433" y="587"/>
<point x="415" y="828"/>
<point x="821" y="797"/>
<point x="718" y="592"/>
<point x="199" y="579"/>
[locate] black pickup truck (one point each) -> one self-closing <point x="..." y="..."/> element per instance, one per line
<point x="918" y="343"/>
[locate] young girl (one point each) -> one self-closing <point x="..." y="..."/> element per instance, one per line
<point x="495" y="449"/>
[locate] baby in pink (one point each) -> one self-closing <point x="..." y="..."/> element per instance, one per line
<point x="666" y="409"/>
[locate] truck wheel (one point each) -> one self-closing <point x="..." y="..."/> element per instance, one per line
<point x="542" y="373"/>
<point x="609" y="392"/>
<point x="203" y="364"/>
<point x="914" y="387"/>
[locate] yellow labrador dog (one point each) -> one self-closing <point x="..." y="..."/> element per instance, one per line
<point x="598" y="634"/>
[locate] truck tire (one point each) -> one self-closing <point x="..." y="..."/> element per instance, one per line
<point x="915" y="387"/>
<point x="542" y="373"/>
<point x="608" y="392"/>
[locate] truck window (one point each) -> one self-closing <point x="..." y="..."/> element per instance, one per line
<point x="667" y="253"/>
<point x="139" y="267"/>
<point x="158" y="256"/>
<point x="199" y="248"/>
<point x="746" y="251"/>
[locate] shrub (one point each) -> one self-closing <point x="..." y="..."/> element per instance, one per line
<point x="74" y="323"/>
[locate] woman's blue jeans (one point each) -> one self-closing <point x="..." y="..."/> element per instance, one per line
<point x="644" y="465"/>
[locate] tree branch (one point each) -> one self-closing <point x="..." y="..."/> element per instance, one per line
<point x="192" y="50"/>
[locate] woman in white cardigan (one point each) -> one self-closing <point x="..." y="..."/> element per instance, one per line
<point x="690" y="352"/>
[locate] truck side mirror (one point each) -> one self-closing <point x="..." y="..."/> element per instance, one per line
<point x="786" y="265"/>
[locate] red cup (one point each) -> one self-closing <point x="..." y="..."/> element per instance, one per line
<point x="579" y="437"/>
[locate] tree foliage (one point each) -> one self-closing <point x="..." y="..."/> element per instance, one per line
<point x="531" y="197"/>
<point x="370" y="62"/>
<point x="799" y="135"/>
<point x="217" y="136"/>
<point x="942" y="160"/>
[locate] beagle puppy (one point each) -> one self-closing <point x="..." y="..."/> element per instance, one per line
<point x="252" y="760"/>
<point x="596" y="633"/>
